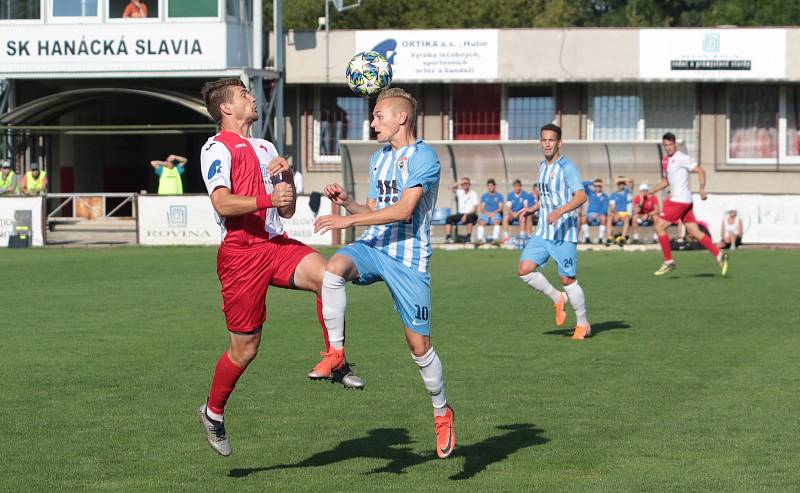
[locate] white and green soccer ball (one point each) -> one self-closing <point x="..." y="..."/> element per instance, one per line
<point x="368" y="73"/>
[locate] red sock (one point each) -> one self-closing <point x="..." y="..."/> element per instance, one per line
<point x="709" y="245"/>
<point x="226" y="374"/>
<point x="663" y="240"/>
<point x="322" y="323"/>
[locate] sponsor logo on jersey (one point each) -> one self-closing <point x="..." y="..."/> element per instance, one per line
<point x="402" y="162"/>
<point x="239" y="146"/>
<point x="215" y="169"/>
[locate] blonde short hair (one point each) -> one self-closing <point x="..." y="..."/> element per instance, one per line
<point x="396" y="92"/>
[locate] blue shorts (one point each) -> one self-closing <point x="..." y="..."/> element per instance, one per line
<point x="410" y="289"/>
<point x="593" y="218"/>
<point x="490" y="220"/>
<point x="565" y="253"/>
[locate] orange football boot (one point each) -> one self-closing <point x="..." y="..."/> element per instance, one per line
<point x="560" y="308"/>
<point x="582" y="332"/>
<point x="445" y="434"/>
<point x="332" y="360"/>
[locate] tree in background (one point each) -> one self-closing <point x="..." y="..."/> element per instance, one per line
<point x="454" y="14"/>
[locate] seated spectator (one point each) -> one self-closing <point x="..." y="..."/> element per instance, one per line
<point x="467" y="209"/>
<point x="645" y="211"/>
<point x="533" y="210"/>
<point x="34" y="182"/>
<point x="9" y="185"/>
<point x="596" y="211"/>
<point x="516" y="205"/>
<point x="732" y="230"/>
<point x="620" y="206"/>
<point x="491" y="211"/>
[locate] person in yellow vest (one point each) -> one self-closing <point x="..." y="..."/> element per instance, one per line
<point x="35" y="181"/>
<point x="9" y="185"/>
<point x="169" y="173"/>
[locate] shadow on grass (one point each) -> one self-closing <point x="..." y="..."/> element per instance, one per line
<point x="386" y="444"/>
<point x="497" y="448"/>
<point x="596" y="328"/>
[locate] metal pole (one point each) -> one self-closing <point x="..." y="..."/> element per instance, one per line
<point x="280" y="67"/>
<point x="327" y="43"/>
<point x="257" y="84"/>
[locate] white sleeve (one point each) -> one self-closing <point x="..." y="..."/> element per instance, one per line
<point x="688" y="163"/>
<point x="215" y="161"/>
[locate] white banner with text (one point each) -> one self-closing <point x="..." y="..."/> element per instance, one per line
<point x="437" y="54"/>
<point x="21" y="221"/>
<point x="765" y="218"/>
<point x="712" y="54"/>
<point x="112" y="47"/>
<point x="190" y="220"/>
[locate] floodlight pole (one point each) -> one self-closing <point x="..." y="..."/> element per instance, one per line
<point x="339" y="8"/>
<point x="280" y="67"/>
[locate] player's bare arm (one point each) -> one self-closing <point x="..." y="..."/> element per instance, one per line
<point x="702" y="174"/>
<point x="228" y="204"/>
<point x="155" y="163"/>
<point x="339" y="196"/>
<point x="576" y="201"/>
<point x="401" y="211"/>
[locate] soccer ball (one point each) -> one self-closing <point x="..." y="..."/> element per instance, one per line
<point x="368" y="73"/>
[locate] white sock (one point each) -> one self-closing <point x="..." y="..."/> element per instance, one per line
<point x="211" y="414"/>
<point x="585" y="231"/>
<point x="655" y="237"/>
<point x="481" y="233"/>
<point x="636" y="237"/>
<point x="496" y="232"/>
<point x="537" y="281"/>
<point x="334" y="304"/>
<point x="430" y="369"/>
<point x="602" y="232"/>
<point x="578" y="301"/>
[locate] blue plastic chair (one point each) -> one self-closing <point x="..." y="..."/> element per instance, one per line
<point x="440" y="216"/>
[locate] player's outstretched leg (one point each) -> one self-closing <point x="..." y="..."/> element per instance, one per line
<point x="720" y="257"/>
<point x="343" y="374"/>
<point x="334" y="304"/>
<point x="430" y="369"/>
<point x="527" y="272"/>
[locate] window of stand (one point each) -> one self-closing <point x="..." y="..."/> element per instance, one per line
<point x="21" y="10"/>
<point x="642" y="112"/>
<point x="338" y="115"/>
<point x="72" y="11"/>
<point x="187" y="9"/>
<point x="527" y="110"/>
<point x="763" y="125"/>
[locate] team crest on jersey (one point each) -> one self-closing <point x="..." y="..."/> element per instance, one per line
<point x="553" y="176"/>
<point x="402" y="162"/>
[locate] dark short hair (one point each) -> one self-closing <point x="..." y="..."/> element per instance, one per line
<point x="218" y="92"/>
<point x="598" y="180"/>
<point x="517" y="182"/>
<point x="669" y="136"/>
<point x="553" y="128"/>
<point x="490" y="181"/>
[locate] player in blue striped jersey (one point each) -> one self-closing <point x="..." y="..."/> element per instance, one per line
<point x="404" y="181"/>
<point x="561" y="193"/>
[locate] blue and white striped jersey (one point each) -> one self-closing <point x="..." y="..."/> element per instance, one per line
<point x="558" y="182"/>
<point x="391" y="172"/>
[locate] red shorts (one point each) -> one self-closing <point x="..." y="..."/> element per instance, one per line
<point x="246" y="272"/>
<point x="677" y="211"/>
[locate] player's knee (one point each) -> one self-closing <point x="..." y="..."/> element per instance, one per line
<point x="525" y="269"/>
<point x="243" y="354"/>
<point x="566" y="281"/>
<point x="338" y="265"/>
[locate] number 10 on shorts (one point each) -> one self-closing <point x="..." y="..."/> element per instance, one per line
<point x="422" y="312"/>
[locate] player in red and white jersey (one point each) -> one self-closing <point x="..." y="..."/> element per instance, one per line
<point x="678" y="205"/>
<point x="251" y="189"/>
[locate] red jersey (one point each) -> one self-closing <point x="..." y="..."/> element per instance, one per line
<point x="240" y="164"/>
<point x="650" y="204"/>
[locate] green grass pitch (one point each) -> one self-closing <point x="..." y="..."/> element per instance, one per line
<point x="690" y="383"/>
